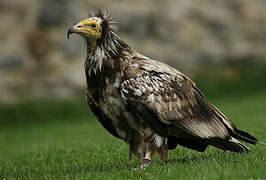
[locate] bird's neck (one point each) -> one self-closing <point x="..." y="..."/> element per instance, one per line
<point x="105" y="53"/>
<point x="91" y="46"/>
<point x="100" y="71"/>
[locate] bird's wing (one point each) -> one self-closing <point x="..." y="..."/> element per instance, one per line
<point x="175" y="101"/>
<point x="103" y="119"/>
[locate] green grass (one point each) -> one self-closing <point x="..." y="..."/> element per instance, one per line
<point x="62" y="140"/>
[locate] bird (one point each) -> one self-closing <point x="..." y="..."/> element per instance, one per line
<point x="148" y="104"/>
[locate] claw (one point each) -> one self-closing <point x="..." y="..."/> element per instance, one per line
<point x="145" y="163"/>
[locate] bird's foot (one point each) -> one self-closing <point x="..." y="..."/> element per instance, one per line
<point x="164" y="163"/>
<point x="145" y="163"/>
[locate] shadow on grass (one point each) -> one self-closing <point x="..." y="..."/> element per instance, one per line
<point x="110" y="167"/>
<point x="196" y="157"/>
<point x="206" y="156"/>
<point x="95" y="169"/>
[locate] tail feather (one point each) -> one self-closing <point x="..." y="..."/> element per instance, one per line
<point x="236" y="146"/>
<point x="244" y="136"/>
<point x="229" y="145"/>
<point x="236" y="133"/>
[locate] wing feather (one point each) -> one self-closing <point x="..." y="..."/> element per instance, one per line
<point x="175" y="101"/>
<point x="103" y="119"/>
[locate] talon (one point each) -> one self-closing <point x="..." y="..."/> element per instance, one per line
<point x="145" y="163"/>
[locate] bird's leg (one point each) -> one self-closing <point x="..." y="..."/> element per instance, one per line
<point x="141" y="151"/>
<point x="163" y="153"/>
<point x="136" y="147"/>
<point x="131" y="151"/>
<point x="146" y="161"/>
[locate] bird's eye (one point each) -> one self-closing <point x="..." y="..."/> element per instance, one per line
<point x="93" y="25"/>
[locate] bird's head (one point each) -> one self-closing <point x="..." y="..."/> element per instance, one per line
<point x="90" y="29"/>
<point x="103" y="44"/>
<point x="98" y="30"/>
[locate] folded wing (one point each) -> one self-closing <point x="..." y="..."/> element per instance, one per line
<point x="174" y="100"/>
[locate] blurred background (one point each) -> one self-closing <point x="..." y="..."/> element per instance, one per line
<point x="221" y="45"/>
<point x="37" y="60"/>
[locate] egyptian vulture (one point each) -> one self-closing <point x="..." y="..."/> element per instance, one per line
<point x="148" y="104"/>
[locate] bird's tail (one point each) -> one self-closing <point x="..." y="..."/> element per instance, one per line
<point x="235" y="146"/>
<point x="230" y="144"/>
<point x="244" y="136"/>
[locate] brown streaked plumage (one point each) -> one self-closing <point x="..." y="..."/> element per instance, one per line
<point x="148" y="104"/>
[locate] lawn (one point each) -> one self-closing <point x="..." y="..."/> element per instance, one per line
<point x="63" y="140"/>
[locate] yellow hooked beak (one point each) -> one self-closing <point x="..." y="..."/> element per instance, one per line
<point x="76" y="29"/>
<point x="88" y="28"/>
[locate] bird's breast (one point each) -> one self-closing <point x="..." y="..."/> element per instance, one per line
<point x="105" y="92"/>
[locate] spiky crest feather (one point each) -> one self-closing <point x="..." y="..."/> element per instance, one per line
<point x="109" y="46"/>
